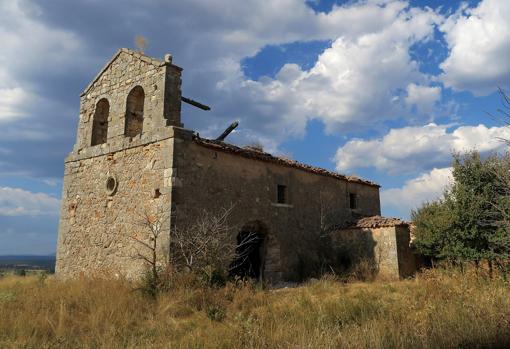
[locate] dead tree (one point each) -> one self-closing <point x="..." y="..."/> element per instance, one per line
<point x="152" y="224"/>
<point x="207" y="245"/>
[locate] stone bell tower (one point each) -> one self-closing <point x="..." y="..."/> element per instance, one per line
<point x="121" y="165"/>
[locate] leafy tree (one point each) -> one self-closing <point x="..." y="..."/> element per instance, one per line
<point x="470" y="223"/>
<point x="433" y="221"/>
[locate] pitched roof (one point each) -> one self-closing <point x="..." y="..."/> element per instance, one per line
<point x="136" y="54"/>
<point x="375" y="222"/>
<point x="253" y="153"/>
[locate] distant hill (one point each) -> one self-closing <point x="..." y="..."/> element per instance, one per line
<point x="28" y="262"/>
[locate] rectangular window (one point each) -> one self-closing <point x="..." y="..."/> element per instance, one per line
<point x="353" y="201"/>
<point x="282" y="194"/>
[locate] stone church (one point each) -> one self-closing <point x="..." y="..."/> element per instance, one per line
<point x="133" y="153"/>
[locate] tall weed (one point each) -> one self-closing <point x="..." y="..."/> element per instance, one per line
<point x="439" y="309"/>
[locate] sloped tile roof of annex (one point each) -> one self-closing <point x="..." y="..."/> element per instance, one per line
<point x="375" y="222"/>
<point x="252" y="153"/>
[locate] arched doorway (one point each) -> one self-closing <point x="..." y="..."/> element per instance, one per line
<point x="250" y="256"/>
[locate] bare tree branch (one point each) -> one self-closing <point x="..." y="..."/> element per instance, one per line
<point x="207" y="242"/>
<point x="151" y="225"/>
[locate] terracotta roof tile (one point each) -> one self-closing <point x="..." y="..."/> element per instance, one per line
<point x="253" y="153"/>
<point x="376" y="222"/>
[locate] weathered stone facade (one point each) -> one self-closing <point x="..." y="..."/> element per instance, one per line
<point x="380" y="244"/>
<point x="133" y="155"/>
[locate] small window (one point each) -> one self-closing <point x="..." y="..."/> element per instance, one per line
<point x="282" y="194"/>
<point x="353" y="201"/>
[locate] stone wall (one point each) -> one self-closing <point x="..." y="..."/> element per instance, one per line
<point x="408" y="261"/>
<point x="207" y="179"/>
<point x="97" y="224"/>
<point x="385" y="250"/>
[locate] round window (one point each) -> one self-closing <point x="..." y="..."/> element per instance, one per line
<point x="111" y="185"/>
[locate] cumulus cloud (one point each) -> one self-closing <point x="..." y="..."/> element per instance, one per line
<point x="19" y="202"/>
<point x="360" y="81"/>
<point x="249" y="25"/>
<point x="11" y="102"/>
<point x="23" y="31"/>
<point x="39" y="64"/>
<point x="30" y="48"/>
<point x="479" y="46"/>
<point x="418" y="148"/>
<point x="425" y="188"/>
<point x="423" y="98"/>
<point x="50" y="52"/>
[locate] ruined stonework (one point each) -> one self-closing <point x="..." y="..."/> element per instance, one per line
<point x="379" y="244"/>
<point x="132" y="155"/>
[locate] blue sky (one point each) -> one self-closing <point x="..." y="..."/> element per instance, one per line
<point x="384" y="89"/>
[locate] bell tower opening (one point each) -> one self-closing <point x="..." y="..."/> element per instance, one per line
<point x="100" y="122"/>
<point x="134" y="112"/>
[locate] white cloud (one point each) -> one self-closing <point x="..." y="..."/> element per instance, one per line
<point x="425" y="188"/>
<point x="28" y="44"/>
<point x="249" y="25"/>
<point x="11" y="102"/>
<point x="19" y="202"/>
<point x="29" y="47"/>
<point x="479" y="43"/>
<point x="418" y="148"/>
<point x="423" y="97"/>
<point x="362" y="80"/>
<point x="52" y="182"/>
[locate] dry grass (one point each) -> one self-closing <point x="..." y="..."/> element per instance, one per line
<point x="436" y="310"/>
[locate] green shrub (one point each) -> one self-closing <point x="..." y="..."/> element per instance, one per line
<point x="20" y="272"/>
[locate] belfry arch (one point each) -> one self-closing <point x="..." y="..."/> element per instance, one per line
<point x="100" y="122"/>
<point x="134" y="112"/>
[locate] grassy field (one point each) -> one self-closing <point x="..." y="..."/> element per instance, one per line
<point x="436" y="310"/>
